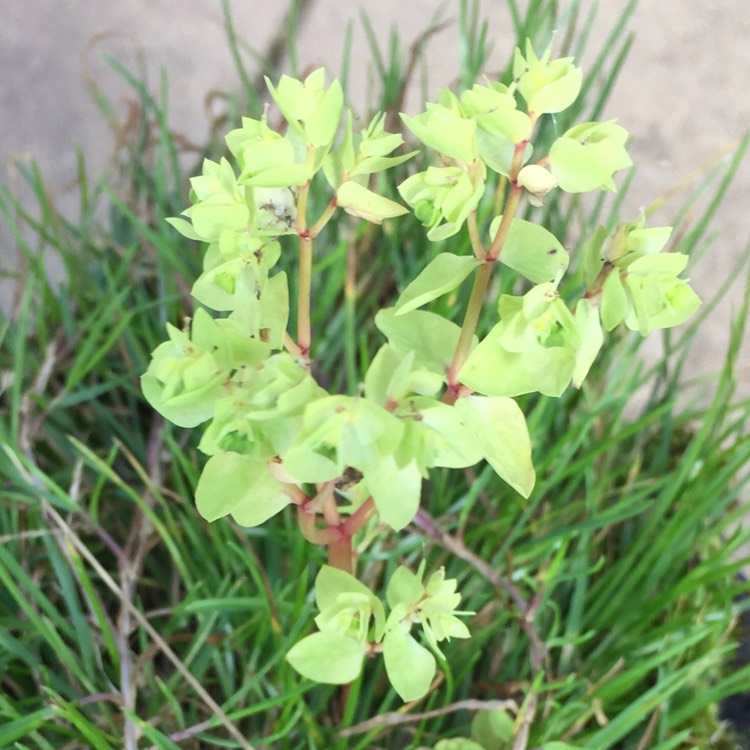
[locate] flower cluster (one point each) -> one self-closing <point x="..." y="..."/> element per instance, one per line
<point x="352" y="624"/>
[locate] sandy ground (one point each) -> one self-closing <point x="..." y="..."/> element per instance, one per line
<point x="682" y="94"/>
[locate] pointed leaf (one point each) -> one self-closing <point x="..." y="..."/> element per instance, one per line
<point x="442" y="274"/>
<point x="500" y="428"/>
<point x="330" y="582"/>
<point x="403" y="588"/>
<point x="592" y="338"/>
<point x="614" y="305"/>
<point x="185" y="228"/>
<point x="357" y="200"/>
<point x="410" y="667"/>
<point x="395" y="490"/>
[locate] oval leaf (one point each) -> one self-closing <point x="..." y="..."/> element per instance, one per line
<point x="240" y="485"/>
<point x="410" y="667"/>
<point x="532" y="251"/>
<point x="328" y="657"/>
<point x="395" y="490"/>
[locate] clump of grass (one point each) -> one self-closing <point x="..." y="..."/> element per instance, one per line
<point x="609" y="599"/>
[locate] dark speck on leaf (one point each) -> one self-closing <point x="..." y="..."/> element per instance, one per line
<point x="552" y="251"/>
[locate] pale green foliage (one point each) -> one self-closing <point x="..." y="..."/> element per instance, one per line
<point x="352" y="624"/>
<point x="442" y="198"/>
<point x="442" y="275"/>
<point x="548" y="86"/>
<point x="532" y="251"/>
<point x="489" y="728"/>
<point x="492" y="730"/>
<point x="434" y="395"/>
<point x="641" y="285"/>
<point x="534" y="347"/>
<point x="586" y="156"/>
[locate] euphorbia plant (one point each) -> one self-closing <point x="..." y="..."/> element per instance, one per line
<point x="434" y="395"/>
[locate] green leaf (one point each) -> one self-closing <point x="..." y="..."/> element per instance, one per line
<point x="648" y="241"/>
<point x="341" y="160"/>
<point x="410" y="667"/>
<point x="330" y="582"/>
<point x="592" y="338"/>
<point x="492" y="728"/>
<point x="431" y="337"/>
<point x="275" y="310"/>
<point x="532" y="251"/>
<point x="495" y="112"/>
<point x="357" y="200"/>
<point x="459" y="743"/>
<point x="240" y="485"/>
<point x="499" y="427"/>
<point x="445" y="131"/>
<point x="22" y="727"/>
<point x="448" y="442"/>
<point x="670" y="264"/>
<point x="395" y="490"/>
<point x="548" y="86"/>
<point x="185" y="228"/>
<point x="323" y="122"/>
<point x="442" y="274"/>
<point x="372" y="164"/>
<point x="328" y="657"/>
<point x="404" y="587"/>
<point x="586" y="156"/>
<point x="614" y="304"/>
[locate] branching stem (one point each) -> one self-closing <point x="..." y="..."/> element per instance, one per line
<point x="482" y="278"/>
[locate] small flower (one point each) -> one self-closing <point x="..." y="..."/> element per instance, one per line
<point x="444" y="128"/>
<point x="586" y="156"/>
<point x="442" y="198"/>
<point x="534" y="347"/>
<point x="309" y="108"/>
<point x="546" y="85"/>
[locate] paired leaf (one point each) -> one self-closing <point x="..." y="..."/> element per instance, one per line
<point x="240" y="485"/>
<point x="500" y="431"/>
<point x="328" y="657"/>
<point x="410" y="667"/>
<point x="532" y="251"/>
<point x="431" y="337"/>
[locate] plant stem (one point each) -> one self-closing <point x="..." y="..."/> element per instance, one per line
<point x="474" y="308"/>
<point x="305" y="274"/>
<point x="502" y="232"/>
<point x="325" y="217"/>
<point x="476" y="240"/>
<point x="360" y="517"/>
<point x="481" y="280"/>
<point x="291" y="345"/>
<point x="350" y="316"/>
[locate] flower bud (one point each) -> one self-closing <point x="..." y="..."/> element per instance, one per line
<point x="537" y="181"/>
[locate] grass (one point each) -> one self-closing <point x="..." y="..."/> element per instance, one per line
<point x="126" y="621"/>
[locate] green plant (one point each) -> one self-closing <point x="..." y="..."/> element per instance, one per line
<point x="605" y="603"/>
<point x="433" y="396"/>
